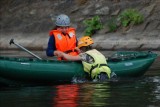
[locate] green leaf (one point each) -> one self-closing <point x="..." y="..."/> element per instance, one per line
<point x="130" y="16"/>
<point x="92" y="25"/>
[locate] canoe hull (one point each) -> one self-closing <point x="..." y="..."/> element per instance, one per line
<point x="46" y="71"/>
<point x="41" y="71"/>
<point x="134" y="68"/>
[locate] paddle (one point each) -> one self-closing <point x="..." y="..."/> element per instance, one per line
<point x="18" y="45"/>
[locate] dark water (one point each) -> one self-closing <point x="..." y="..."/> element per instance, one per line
<point x="126" y="92"/>
<point x="142" y="92"/>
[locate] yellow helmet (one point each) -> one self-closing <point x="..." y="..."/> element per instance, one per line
<point x="85" y="41"/>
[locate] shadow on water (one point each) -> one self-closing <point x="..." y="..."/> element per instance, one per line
<point x="140" y="92"/>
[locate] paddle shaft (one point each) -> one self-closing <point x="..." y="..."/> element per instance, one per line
<point x="18" y="45"/>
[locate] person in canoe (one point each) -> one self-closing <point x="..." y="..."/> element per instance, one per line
<point x="62" y="38"/>
<point x="93" y="61"/>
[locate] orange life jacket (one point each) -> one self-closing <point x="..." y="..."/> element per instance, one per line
<point x="65" y="43"/>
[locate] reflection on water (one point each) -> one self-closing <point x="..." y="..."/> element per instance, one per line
<point x="66" y="94"/>
<point x="139" y="92"/>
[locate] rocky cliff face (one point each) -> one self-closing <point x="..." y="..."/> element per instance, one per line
<point x="29" y="21"/>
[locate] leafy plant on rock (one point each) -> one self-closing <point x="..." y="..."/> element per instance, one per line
<point x="130" y="16"/>
<point x="112" y="24"/>
<point x="92" y="25"/>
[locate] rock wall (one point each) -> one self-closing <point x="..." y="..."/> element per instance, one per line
<point x="29" y="21"/>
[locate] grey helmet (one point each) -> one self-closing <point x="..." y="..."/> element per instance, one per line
<point x="62" y="20"/>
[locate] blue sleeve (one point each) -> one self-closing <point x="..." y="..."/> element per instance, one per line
<point x="51" y="46"/>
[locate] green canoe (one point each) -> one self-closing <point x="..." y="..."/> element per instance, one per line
<point x="124" y="64"/>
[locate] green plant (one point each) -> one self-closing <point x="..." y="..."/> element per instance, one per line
<point x="130" y="16"/>
<point x="92" y="25"/>
<point x="112" y="24"/>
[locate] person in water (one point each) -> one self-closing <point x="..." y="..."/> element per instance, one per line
<point x="93" y="61"/>
<point x="62" y="38"/>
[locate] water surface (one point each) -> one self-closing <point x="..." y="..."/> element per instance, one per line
<point x="140" y="92"/>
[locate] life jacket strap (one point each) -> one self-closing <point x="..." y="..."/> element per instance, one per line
<point x="93" y="67"/>
<point x="68" y="51"/>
